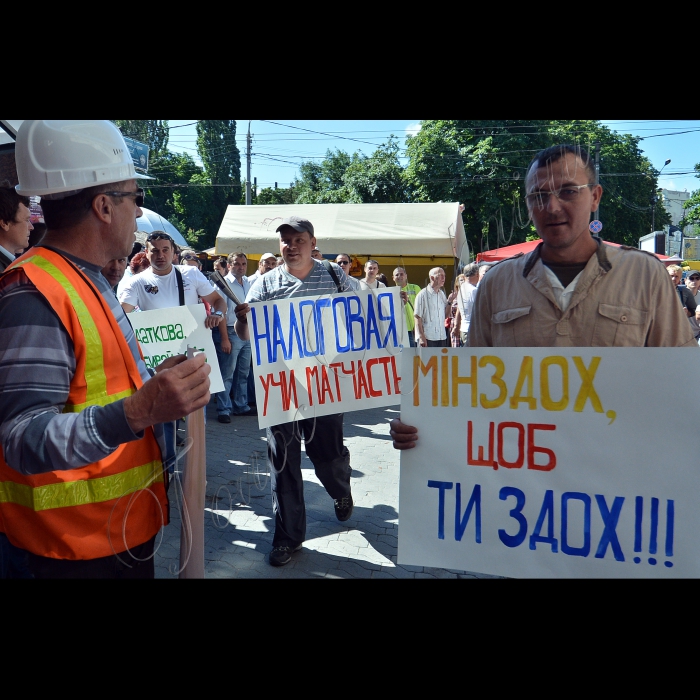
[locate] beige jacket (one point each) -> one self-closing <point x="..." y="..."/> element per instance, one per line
<point x="623" y="298"/>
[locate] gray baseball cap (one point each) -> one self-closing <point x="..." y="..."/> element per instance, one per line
<point x="298" y="224"/>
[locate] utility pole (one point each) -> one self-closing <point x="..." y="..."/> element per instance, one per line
<point x="596" y="215"/>
<point x="248" y="197"/>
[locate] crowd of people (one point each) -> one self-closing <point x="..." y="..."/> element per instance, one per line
<point x="84" y="423"/>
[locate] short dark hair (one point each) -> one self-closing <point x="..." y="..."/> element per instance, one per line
<point x="70" y="211"/>
<point x="345" y="255"/>
<point x="235" y="255"/>
<point x="10" y="201"/>
<point x="555" y="153"/>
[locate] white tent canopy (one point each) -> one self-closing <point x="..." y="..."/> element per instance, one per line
<point x="363" y="229"/>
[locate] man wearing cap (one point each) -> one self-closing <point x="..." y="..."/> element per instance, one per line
<point x="573" y="290"/>
<point x="15" y="223"/>
<point x="81" y="468"/>
<point x="316" y="254"/>
<point x="300" y="276"/>
<point x="268" y="261"/>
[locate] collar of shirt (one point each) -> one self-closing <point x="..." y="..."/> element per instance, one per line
<point x="7" y="253"/>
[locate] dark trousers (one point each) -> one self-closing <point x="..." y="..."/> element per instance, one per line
<point x="13" y="560"/>
<point x="331" y="460"/>
<point x="437" y="343"/>
<point x="104" y="567"/>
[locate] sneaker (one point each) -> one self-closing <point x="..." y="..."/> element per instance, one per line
<point x="224" y="418"/>
<point x="280" y="556"/>
<point x="343" y="508"/>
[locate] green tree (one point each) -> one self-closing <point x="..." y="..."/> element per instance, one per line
<point x="216" y="145"/>
<point x="271" y="195"/>
<point x="692" y="207"/>
<point x="153" y="132"/>
<point x="378" y="178"/>
<point x="483" y="164"/>
<point x="322" y="183"/>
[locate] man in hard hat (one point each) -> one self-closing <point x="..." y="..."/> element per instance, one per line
<point x="81" y="469"/>
<point x="15" y="223"/>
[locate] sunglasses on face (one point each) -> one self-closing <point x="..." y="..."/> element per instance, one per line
<point x="189" y="256"/>
<point x="138" y="196"/>
<point x="158" y="236"/>
<point x="343" y="262"/>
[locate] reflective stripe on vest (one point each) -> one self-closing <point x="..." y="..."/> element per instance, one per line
<point x="80" y="493"/>
<point x="95" y="379"/>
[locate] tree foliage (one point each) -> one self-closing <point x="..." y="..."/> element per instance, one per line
<point x="692" y="207"/>
<point x="216" y="145"/>
<point x="483" y="164"/>
<point x="153" y="132"/>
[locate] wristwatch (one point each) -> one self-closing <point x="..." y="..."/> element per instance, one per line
<point x="220" y="314"/>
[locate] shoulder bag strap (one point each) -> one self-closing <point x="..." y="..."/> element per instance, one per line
<point x="180" y="286"/>
<point x="331" y="272"/>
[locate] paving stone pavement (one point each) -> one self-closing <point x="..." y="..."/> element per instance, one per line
<point x="238" y="516"/>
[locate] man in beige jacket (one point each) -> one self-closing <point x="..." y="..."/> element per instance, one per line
<point x="573" y="289"/>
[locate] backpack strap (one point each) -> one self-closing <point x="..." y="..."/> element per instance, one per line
<point x="180" y="286"/>
<point x="331" y="272"/>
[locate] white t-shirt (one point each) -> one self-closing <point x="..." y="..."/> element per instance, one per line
<point x="377" y="285"/>
<point x="149" y="291"/>
<point x="430" y="307"/>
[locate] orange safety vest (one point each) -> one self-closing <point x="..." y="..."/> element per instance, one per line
<point x="112" y="505"/>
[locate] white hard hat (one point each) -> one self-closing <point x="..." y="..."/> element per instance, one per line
<point x="63" y="157"/>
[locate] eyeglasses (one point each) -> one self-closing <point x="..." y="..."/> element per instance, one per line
<point x="157" y="235"/>
<point x="570" y="193"/>
<point x="138" y="196"/>
<point x="189" y="256"/>
<point x="695" y="279"/>
<point x="342" y="262"/>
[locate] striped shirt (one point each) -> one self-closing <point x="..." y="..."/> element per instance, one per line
<point x="279" y="284"/>
<point x="37" y="364"/>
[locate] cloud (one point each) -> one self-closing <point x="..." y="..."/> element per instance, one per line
<point x="412" y="129"/>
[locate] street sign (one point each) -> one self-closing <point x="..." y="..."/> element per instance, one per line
<point x="138" y="152"/>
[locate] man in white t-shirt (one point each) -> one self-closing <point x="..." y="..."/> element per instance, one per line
<point x="465" y="303"/>
<point x="430" y="312"/>
<point x="370" y="280"/>
<point x="159" y="286"/>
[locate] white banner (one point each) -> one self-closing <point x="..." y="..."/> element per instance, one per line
<point x="552" y="462"/>
<point x="318" y="355"/>
<point x="163" y="333"/>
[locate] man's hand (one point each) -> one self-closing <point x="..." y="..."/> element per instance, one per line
<point x="241" y="312"/>
<point x="170" y="362"/>
<point x="404" y="297"/>
<point x="697" y="314"/>
<point x="212" y="321"/>
<point x="225" y="343"/>
<point x="404" y="436"/>
<point x="422" y="341"/>
<point x="174" y="392"/>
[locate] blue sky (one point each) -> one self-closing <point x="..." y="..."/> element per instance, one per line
<point x="280" y="145"/>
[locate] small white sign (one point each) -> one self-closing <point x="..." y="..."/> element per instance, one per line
<point x="163" y="333"/>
